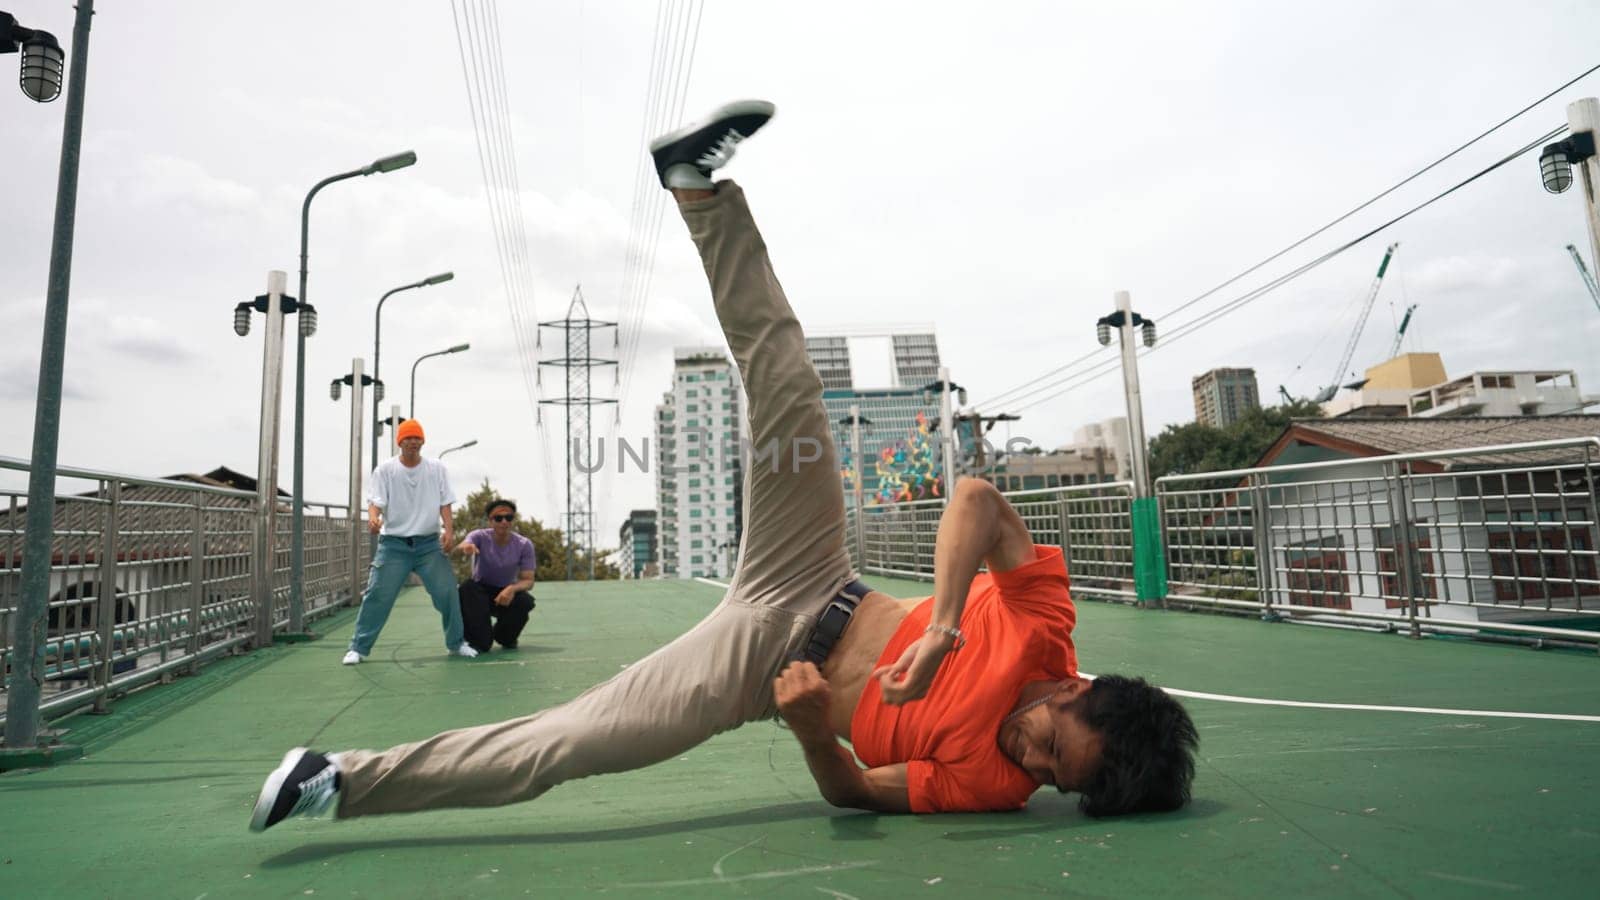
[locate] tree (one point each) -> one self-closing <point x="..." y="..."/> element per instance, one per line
<point x="1192" y="447"/>
<point x="549" y="544"/>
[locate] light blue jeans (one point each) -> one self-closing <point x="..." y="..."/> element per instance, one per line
<point x="397" y="558"/>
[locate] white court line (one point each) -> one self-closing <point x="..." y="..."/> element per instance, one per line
<point x="1359" y="707"/>
<point x="1368" y="707"/>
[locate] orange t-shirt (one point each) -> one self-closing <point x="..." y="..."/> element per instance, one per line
<point x="1018" y="626"/>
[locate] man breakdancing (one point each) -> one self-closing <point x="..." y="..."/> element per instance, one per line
<point x="965" y="701"/>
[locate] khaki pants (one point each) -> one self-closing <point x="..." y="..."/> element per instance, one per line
<point x="719" y="674"/>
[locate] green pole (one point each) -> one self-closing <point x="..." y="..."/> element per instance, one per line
<point x="1149" y="555"/>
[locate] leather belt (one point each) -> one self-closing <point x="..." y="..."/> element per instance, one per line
<point x="834" y="620"/>
<point x="412" y="540"/>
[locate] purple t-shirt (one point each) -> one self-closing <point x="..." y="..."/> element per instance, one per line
<point x="498" y="566"/>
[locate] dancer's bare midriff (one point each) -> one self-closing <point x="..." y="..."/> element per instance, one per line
<point x="851" y="663"/>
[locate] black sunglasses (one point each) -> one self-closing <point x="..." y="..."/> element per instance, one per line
<point x="502" y="518"/>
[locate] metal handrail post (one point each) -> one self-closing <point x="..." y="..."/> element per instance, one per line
<point x="197" y="580"/>
<point x="106" y="599"/>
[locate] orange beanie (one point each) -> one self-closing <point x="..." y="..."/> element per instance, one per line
<point x="410" y="428"/>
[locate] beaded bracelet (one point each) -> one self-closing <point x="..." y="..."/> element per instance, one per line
<point x="961" y="639"/>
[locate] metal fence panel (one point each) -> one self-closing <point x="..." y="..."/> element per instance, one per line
<point x="1484" y="540"/>
<point x="150" y="577"/>
<point x="1092" y="524"/>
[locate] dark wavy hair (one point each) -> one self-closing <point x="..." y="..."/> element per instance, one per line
<point x="1147" y="755"/>
<point x="496" y="504"/>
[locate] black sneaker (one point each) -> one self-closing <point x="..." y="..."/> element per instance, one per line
<point x="305" y="783"/>
<point x="686" y="158"/>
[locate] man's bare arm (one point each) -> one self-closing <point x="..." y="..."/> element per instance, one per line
<point x="978" y="526"/>
<point x="845" y="784"/>
<point x="803" y="698"/>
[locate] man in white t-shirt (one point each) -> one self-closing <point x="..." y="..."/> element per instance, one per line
<point x="407" y="499"/>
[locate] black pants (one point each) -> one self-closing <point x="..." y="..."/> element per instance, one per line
<point x="478" y="607"/>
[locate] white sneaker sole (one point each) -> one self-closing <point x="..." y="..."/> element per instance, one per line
<point x="270" y="789"/>
<point x="726" y="110"/>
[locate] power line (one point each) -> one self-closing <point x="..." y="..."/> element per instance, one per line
<point x="483" y="74"/>
<point x="1001" y="398"/>
<point x="668" y="108"/>
<point x="1199" y="322"/>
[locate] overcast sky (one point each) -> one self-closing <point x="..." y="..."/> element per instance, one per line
<point x="998" y="171"/>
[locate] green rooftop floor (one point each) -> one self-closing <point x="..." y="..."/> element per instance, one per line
<point x="1288" y="802"/>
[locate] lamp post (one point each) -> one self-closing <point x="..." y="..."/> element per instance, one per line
<point x="392" y="420"/>
<point x="456" y="349"/>
<point x="471" y="443"/>
<point x="981" y="426"/>
<point x="357" y="381"/>
<point x="273" y="306"/>
<point x="855" y="420"/>
<point x="1149" y="559"/>
<point x="41" y="82"/>
<point x="946" y="430"/>
<point x="1555" y="163"/>
<point x="297" y="546"/>
<point x="377" y="343"/>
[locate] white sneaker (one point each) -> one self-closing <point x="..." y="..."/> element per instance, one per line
<point x="466" y="651"/>
<point x="352" y="658"/>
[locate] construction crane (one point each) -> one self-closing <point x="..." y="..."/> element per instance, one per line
<point x="1327" y="393"/>
<point x="1400" y="334"/>
<point x="1588" y="280"/>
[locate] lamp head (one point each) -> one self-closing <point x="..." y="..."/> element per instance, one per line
<point x="390" y="163"/>
<point x="43" y="65"/>
<point x="1555" y="167"/>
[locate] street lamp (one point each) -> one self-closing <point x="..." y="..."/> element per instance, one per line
<point x="1124" y="320"/>
<point x="357" y="380"/>
<point x="41" y="61"/>
<point x="856" y="421"/>
<point x="456" y="349"/>
<point x="471" y="443"/>
<point x="337" y="386"/>
<point x="241" y="314"/>
<point x="377" y="342"/>
<point x="1555" y="162"/>
<point x="297" y="578"/>
<point x="947" y="436"/>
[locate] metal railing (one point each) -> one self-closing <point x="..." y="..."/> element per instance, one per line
<point x="151" y="577"/>
<point x="1095" y="520"/>
<point x="1496" y="541"/>
<point x="1485" y="540"/>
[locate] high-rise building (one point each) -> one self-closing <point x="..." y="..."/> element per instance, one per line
<point x="916" y="359"/>
<point x="831" y="357"/>
<point x="636" y="543"/>
<point x="666" y="557"/>
<point x="902" y="457"/>
<point x="1222" y="396"/>
<point x="699" y="426"/>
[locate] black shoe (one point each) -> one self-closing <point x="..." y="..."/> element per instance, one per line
<point x="686" y="158"/>
<point x="305" y="783"/>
